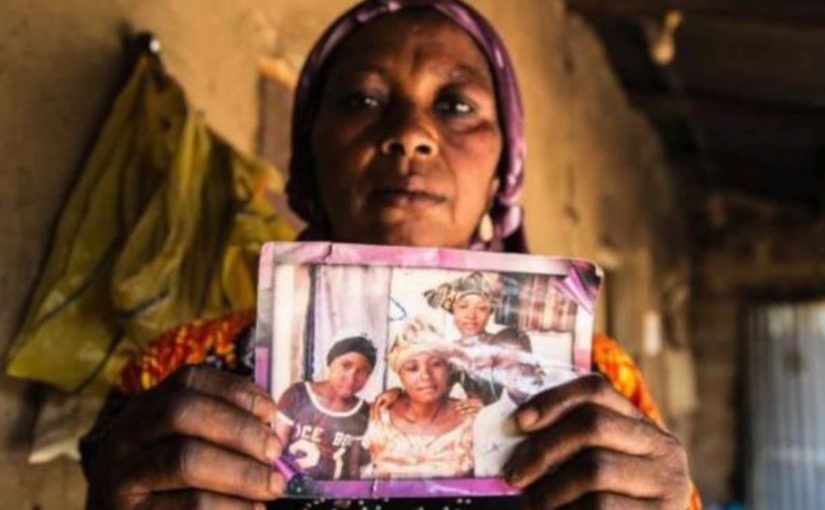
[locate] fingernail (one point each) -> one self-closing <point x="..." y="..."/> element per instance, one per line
<point x="273" y="447"/>
<point x="276" y="483"/>
<point x="527" y="417"/>
<point x="512" y="476"/>
<point x="262" y="407"/>
<point x="259" y="506"/>
<point x="517" y="465"/>
<point x="511" y="467"/>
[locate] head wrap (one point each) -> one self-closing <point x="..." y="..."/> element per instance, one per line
<point x="506" y="212"/>
<point x="418" y="337"/>
<point x="446" y="294"/>
<point x="359" y="344"/>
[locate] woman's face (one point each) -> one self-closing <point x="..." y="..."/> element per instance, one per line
<point x="471" y="314"/>
<point x="348" y="373"/>
<point x="424" y="377"/>
<point x="406" y="141"/>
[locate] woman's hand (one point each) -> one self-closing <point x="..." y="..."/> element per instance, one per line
<point x="198" y="440"/>
<point x="588" y="447"/>
<point x="383" y="402"/>
<point x="469" y="406"/>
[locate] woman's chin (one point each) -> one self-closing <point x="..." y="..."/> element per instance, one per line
<point x="420" y="233"/>
<point x="398" y="226"/>
<point x="426" y="397"/>
<point x="345" y="393"/>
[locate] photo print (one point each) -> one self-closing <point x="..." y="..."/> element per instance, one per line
<point x="397" y="370"/>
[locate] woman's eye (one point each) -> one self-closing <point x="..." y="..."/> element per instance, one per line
<point x="454" y="105"/>
<point x="359" y="101"/>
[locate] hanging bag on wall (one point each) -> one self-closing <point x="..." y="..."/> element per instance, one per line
<point x="163" y="226"/>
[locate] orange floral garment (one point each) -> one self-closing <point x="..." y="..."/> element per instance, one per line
<point x="611" y="360"/>
<point x="190" y="344"/>
<point x="197" y="341"/>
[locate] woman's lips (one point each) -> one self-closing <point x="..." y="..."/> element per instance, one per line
<point x="400" y="197"/>
<point x="469" y="326"/>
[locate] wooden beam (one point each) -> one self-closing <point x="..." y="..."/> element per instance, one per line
<point x="733" y="173"/>
<point x="792" y="12"/>
<point x="784" y="123"/>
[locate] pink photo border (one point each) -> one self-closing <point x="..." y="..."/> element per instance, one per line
<point x="412" y="257"/>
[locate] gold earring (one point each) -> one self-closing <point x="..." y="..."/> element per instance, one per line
<point x="485" y="228"/>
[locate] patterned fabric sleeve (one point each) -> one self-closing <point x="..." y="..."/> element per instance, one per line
<point x="214" y="342"/>
<point x="614" y="363"/>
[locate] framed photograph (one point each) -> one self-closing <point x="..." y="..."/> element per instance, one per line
<point x="397" y="370"/>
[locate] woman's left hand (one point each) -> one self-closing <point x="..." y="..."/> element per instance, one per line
<point x="469" y="406"/>
<point x="588" y="447"/>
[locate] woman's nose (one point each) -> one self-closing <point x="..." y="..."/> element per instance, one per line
<point x="409" y="146"/>
<point x="409" y="136"/>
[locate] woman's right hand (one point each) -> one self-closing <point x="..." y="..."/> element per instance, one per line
<point x="383" y="402"/>
<point x="198" y="440"/>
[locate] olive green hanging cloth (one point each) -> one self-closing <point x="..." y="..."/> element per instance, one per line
<point x="164" y="226"/>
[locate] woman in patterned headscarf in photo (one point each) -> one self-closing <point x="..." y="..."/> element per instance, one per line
<point x="407" y="130"/>
<point x="470" y="300"/>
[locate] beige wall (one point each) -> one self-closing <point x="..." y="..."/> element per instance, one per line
<point x="597" y="183"/>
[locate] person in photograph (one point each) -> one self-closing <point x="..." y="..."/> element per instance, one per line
<point x="470" y="300"/>
<point x="321" y="423"/>
<point x="422" y="433"/>
<point x="495" y="433"/>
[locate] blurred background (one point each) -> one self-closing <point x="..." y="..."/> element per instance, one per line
<point x="680" y="144"/>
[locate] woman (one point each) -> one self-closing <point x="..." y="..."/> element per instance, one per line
<point x="471" y="313"/>
<point x="423" y="434"/>
<point x="321" y="424"/>
<point x="470" y="301"/>
<point x="407" y="130"/>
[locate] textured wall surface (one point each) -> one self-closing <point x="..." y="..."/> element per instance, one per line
<point x="597" y="183"/>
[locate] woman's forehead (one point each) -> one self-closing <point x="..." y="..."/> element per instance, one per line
<point x="420" y="38"/>
<point x="424" y="356"/>
<point x="351" y="356"/>
<point x="472" y="297"/>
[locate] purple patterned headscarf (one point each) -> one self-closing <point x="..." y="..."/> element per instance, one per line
<point x="506" y="212"/>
